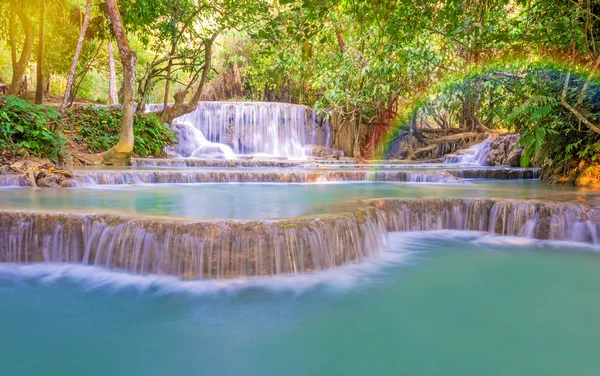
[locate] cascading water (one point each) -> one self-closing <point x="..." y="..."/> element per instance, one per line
<point x="228" y="249"/>
<point x="475" y="155"/>
<point x="224" y="175"/>
<point x="529" y="218"/>
<point x="192" y="143"/>
<point x="277" y="129"/>
<point x="191" y="249"/>
<point x="92" y="178"/>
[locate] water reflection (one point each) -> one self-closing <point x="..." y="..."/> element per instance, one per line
<point x="253" y="201"/>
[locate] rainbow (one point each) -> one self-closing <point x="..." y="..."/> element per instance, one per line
<point x="450" y="80"/>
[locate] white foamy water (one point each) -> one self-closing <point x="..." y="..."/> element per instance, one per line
<point x="193" y="144"/>
<point x="475" y="155"/>
<point x="274" y="129"/>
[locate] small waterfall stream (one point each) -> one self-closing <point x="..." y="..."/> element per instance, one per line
<point x="192" y="143"/>
<point x="475" y="155"/>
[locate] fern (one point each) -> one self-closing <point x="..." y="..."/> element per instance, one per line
<point x="534" y="109"/>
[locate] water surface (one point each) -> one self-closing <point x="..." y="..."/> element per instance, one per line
<point x="260" y="200"/>
<point x="437" y="304"/>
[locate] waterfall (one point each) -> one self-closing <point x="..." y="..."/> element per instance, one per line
<point x="165" y="176"/>
<point x="192" y="249"/>
<point x="192" y="143"/>
<point x="475" y="155"/>
<point x="525" y="218"/>
<point x="232" y="163"/>
<point x="227" y="249"/>
<point x="276" y="129"/>
<point x="498" y="173"/>
<point x="92" y="178"/>
<point x="13" y="180"/>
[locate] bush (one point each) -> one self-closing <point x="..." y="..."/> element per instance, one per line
<point x="151" y="136"/>
<point x="94" y="129"/>
<point x="29" y="130"/>
<point x="97" y="129"/>
<point x="39" y="131"/>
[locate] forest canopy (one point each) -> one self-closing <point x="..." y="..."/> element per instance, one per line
<point x="379" y="68"/>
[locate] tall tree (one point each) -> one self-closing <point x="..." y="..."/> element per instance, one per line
<point x="71" y="78"/>
<point x="39" y="89"/>
<point x="18" y="11"/>
<point x="120" y="154"/>
<point x="180" y="107"/>
<point x="183" y="34"/>
<point x="113" y="96"/>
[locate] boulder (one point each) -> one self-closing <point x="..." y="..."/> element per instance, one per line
<point x="514" y="157"/>
<point x="322" y="152"/>
<point x="580" y="174"/>
<point x="504" y="151"/>
<point x="588" y="175"/>
<point x="41" y="173"/>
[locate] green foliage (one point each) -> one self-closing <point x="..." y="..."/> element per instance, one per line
<point x="97" y="129"/>
<point x="362" y="59"/>
<point x="151" y="136"/>
<point x="94" y="128"/>
<point x="549" y="131"/>
<point x="28" y="130"/>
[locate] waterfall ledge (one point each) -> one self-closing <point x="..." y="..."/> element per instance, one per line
<point x="228" y="249"/>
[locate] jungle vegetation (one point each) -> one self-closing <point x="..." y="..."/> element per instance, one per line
<point x="527" y="66"/>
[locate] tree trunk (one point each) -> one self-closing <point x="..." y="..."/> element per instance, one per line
<point x="180" y="108"/>
<point x="173" y="50"/>
<point x="356" y="146"/>
<point x="470" y="108"/>
<point x="113" y="95"/>
<point x="120" y="154"/>
<point x="71" y="77"/>
<point x="47" y="84"/>
<point x="18" y="65"/>
<point x="168" y="76"/>
<point x="577" y="111"/>
<point x="39" y="89"/>
<point x="340" y="40"/>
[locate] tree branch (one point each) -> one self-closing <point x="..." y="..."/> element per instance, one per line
<point x="573" y="110"/>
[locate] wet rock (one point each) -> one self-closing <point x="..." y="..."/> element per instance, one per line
<point x="322" y="152"/>
<point x="187" y="142"/>
<point x="54" y="178"/>
<point x="514" y="157"/>
<point x="580" y="174"/>
<point x="35" y="172"/>
<point x="504" y="151"/>
<point x="48" y="180"/>
<point x="588" y="176"/>
<point x="171" y="152"/>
